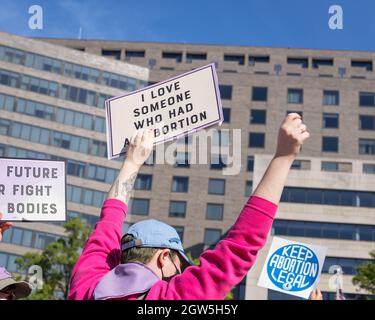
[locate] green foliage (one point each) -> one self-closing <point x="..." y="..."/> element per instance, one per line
<point x="57" y="260"/>
<point x="229" y="296"/>
<point x="365" y="277"/>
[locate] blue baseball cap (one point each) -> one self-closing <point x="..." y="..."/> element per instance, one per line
<point x="152" y="233"/>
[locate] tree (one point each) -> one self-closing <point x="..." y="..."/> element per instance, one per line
<point x="229" y="296"/>
<point x="365" y="277"/>
<point x="57" y="260"/>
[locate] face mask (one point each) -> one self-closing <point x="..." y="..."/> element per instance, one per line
<point x="172" y="276"/>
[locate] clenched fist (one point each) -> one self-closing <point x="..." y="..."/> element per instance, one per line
<point x="292" y="134"/>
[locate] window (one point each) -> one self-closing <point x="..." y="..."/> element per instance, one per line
<point x="330" y="166"/>
<point x="134" y="54"/>
<point x="143" y="182"/>
<point x="216" y="186"/>
<point x="367" y="99"/>
<point x="180" y="184"/>
<point x="177" y="209"/>
<point x="258" y="117"/>
<point x="215" y="211"/>
<point x="218" y="162"/>
<point x="366" y="146"/>
<point x="115" y="54"/>
<point x="139" y="206"/>
<point x="331" y="98"/>
<point x="177" y="56"/>
<point x="330" y="120"/>
<point x="250" y="163"/>
<point x="366" y="122"/>
<point x="316" y="63"/>
<point x="303" y="62"/>
<point x="226" y="115"/>
<point x="368" y="168"/>
<point x="225" y="92"/>
<point x="240" y="59"/>
<point x="365" y="64"/>
<point x="256" y="140"/>
<point x="248" y="188"/>
<point x="259" y="94"/>
<point x="295" y="96"/>
<point x="258" y="59"/>
<point x="195" y="56"/>
<point x="211" y="236"/>
<point x="330" y="144"/>
<point x="182" y="160"/>
<point x="220" y="138"/>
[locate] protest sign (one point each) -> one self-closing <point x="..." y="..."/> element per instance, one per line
<point x="292" y="267"/>
<point x="174" y="108"/>
<point x="32" y="190"/>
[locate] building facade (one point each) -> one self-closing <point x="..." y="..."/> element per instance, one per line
<point x="333" y="90"/>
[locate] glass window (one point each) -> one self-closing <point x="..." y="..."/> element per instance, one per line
<point x="177" y="209"/>
<point x="367" y="122"/>
<point x="367" y="146"/>
<point x="256" y="140"/>
<point x="140" y="206"/>
<point x="330" y="230"/>
<point x="226" y="115"/>
<point x="218" y="162"/>
<point x="330" y="97"/>
<point x="211" y="236"/>
<point x="330" y="144"/>
<point x="368" y="168"/>
<point x="143" y="182"/>
<point x="330" y="166"/>
<point x="182" y="159"/>
<point x="313" y="229"/>
<point x="27" y="238"/>
<point x="331" y="197"/>
<point x="259" y="94"/>
<point x="296" y="229"/>
<point x="225" y="92"/>
<point x="215" y="211"/>
<point x="258" y="117"/>
<point x="180" y="231"/>
<point x="367" y="99"/>
<point x="248" y="188"/>
<point x="216" y="186"/>
<point x="330" y="120"/>
<point x="180" y="184"/>
<point x="295" y="96"/>
<point x="250" y="163"/>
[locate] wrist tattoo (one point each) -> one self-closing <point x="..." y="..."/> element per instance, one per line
<point x="127" y="186"/>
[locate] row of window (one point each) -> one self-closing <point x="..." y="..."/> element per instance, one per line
<point x="49" y="112"/>
<point x="329" y="197"/>
<point x="53" y="138"/>
<point x="53" y="89"/>
<point x="29" y="238"/>
<point x="295" y="96"/>
<point x="329" y="144"/>
<point x="68" y="69"/>
<point x="348" y="265"/>
<point x="73" y="167"/>
<point x="327" y="230"/>
<point x="85" y="196"/>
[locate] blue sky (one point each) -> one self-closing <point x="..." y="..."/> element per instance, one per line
<point x="276" y="23"/>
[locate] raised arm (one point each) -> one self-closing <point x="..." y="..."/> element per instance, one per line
<point x="225" y="266"/>
<point x="102" y="250"/>
<point x="4" y="226"/>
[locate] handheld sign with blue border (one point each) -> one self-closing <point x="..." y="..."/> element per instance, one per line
<point x="174" y="108"/>
<point x="292" y="267"/>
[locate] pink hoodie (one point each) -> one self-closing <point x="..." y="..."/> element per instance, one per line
<point x="219" y="271"/>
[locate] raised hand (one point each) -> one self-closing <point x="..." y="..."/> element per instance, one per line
<point x="4" y="226"/>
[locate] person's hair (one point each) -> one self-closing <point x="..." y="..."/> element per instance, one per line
<point x="138" y="254"/>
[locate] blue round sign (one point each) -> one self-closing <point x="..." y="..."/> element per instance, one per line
<point x="293" y="267"/>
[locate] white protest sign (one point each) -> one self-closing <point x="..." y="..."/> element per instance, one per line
<point x="174" y="108"/>
<point x="292" y="267"/>
<point x="32" y="190"/>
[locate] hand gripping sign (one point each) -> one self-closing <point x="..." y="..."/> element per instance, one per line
<point x="292" y="267"/>
<point x="173" y="108"/>
<point x="32" y="190"/>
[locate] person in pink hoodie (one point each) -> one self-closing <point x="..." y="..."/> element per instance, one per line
<point x="149" y="261"/>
